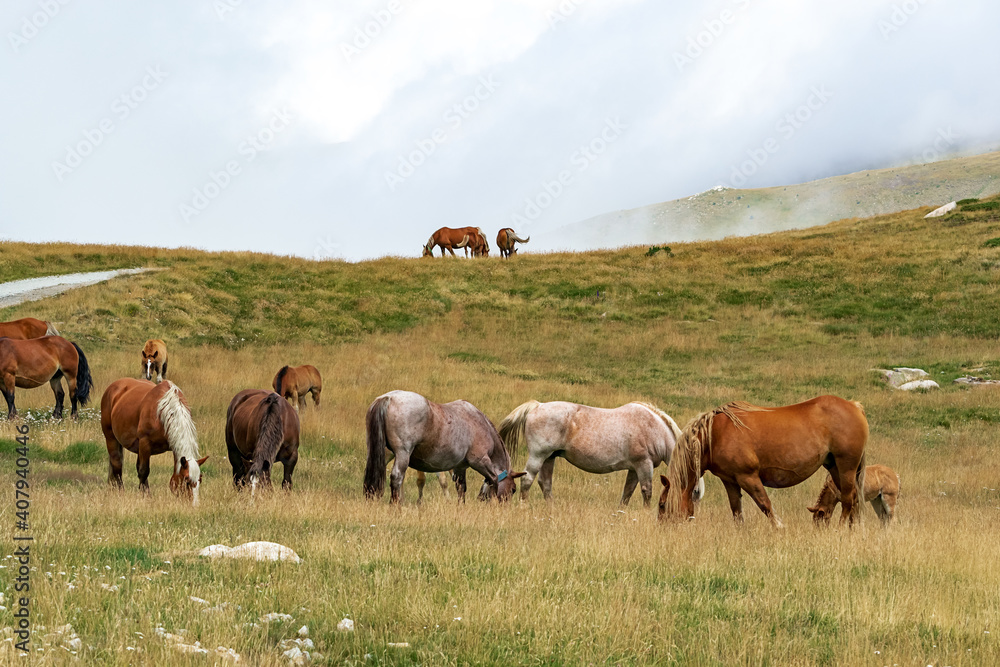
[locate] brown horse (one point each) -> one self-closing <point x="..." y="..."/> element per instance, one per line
<point x="26" y="328"/>
<point x="434" y="437"/>
<point x="149" y="419"/>
<point x="506" y="239"/>
<point x="881" y="490"/>
<point x="477" y="242"/>
<point x="294" y="382"/>
<point x="261" y="428"/>
<point x="750" y="447"/>
<point x="154" y="360"/>
<point x="33" y="362"/>
<point x="446" y="239"/>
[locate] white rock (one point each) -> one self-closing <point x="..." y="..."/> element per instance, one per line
<point x="398" y="644"/>
<point x="261" y="551"/>
<point x="976" y="381"/>
<point x="274" y="616"/>
<point x="228" y="653"/>
<point x="938" y="212"/>
<point x="75" y="644"/>
<point x="214" y="551"/>
<point x="919" y="384"/>
<point x="198" y="600"/>
<point x="346" y="625"/>
<point x="304" y="631"/>
<point x="296" y="656"/>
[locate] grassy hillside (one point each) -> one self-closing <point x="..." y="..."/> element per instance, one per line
<point x="716" y="214"/>
<point x="772" y="319"/>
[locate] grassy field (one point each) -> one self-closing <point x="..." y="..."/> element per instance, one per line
<point x="772" y="319"/>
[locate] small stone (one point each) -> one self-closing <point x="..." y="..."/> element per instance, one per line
<point x="304" y="631"/>
<point x="346" y="625"/>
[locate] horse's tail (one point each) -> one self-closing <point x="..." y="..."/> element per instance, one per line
<point x="686" y="459"/>
<point x="464" y="242"/>
<point x="859" y="488"/>
<point x="50" y="329"/>
<point x="270" y="433"/>
<point x="278" y="379"/>
<point x="84" y="382"/>
<point x="517" y="238"/>
<point x="483" y="237"/>
<point x="513" y="426"/>
<point x="374" y="485"/>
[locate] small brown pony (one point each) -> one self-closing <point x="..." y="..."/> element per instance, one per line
<point x="261" y="428"/>
<point x="448" y="239"/>
<point x="881" y="490"/>
<point x="31" y="363"/>
<point x="294" y="382"/>
<point x="149" y="419"/>
<point x="26" y="328"/>
<point x="478" y="243"/>
<point x="154" y="360"/>
<point x="505" y="242"/>
<point x="750" y="447"/>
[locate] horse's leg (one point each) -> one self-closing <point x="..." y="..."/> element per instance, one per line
<point x="235" y="460"/>
<point x="302" y="402"/>
<point x="114" y="458"/>
<point x="8" y="394"/>
<point x="460" y="486"/>
<point x="288" y="466"/>
<point x="296" y="403"/>
<point x="645" y="474"/>
<point x="315" y="393"/>
<point x="57" y="389"/>
<point x="443" y="481"/>
<point x="532" y="467"/>
<point x="421" y="480"/>
<point x="71" y="384"/>
<point x="545" y="477"/>
<point x="631" y="480"/>
<point x="484" y="466"/>
<point x="844" y="477"/>
<point x="880" y="509"/>
<point x="755" y="489"/>
<point x="735" y="500"/>
<point x="142" y="465"/>
<point x="164" y="376"/>
<point x="398" y="475"/>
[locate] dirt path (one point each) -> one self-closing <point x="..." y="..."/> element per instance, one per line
<point x="33" y="289"/>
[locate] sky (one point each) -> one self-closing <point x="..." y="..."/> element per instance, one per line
<point x="354" y="130"/>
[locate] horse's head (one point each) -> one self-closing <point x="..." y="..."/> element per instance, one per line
<point x="187" y="478"/>
<point x="259" y="474"/>
<point x="690" y="498"/>
<point x="428" y="251"/>
<point x="820" y="515"/>
<point x="506" y="487"/>
<point x="148" y="361"/>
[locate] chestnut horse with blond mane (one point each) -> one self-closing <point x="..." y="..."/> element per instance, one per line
<point x="27" y="327"/>
<point x="149" y="419"/>
<point x="261" y="428"/>
<point x="448" y="239"/>
<point x="881" y="490"/>
<point x="750" y="447"/>
<point x="294" y="382"/>
<point x="506" y="238"/>
<point x="33" y="362"/>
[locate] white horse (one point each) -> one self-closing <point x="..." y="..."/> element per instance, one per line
<point x="636" y="437"/>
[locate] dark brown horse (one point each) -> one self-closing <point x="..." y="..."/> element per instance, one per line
<point x="750" y="447"/>
<point x="31" y="363"/>
<point x="434" y="437"/>
<point x="448" y="239"/>
<point x="506" y="239"/>
<point x="294" y="382"/>
<point x="261" y="428"/>
<point x="149" y="419"/>
<point x="26" y="328"/>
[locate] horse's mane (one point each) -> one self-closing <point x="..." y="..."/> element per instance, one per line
<point x="277" y="380"/>
<point x="667" y="419"/>
<point x="694" y="440"/>
<point x="182" y="436"/>
<point x="270" y="433"/>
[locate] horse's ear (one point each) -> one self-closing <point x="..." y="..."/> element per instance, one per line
<point x="155" y="352"/>
<point x="202" y="460"/>
<point x="184" y="463"/>
<point x="813" y="509"/>
<point x="144" y="354"/>
<point x="518" y="474"/>
<point x="665" y="481"/>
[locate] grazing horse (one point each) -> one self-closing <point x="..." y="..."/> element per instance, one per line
<point x="881" y="490"/>
<point x="294" y="382"/>
<point x="33" y="362"/>
<point x="26" y="328"/>
<point x="154" y="360"/>
<point x="750" y="447"/>
<point x="636" y="437"/>
<point x="446" y="239"/>
<point x="434" y="437"/>
<point x="506" y="239"/>
<point x="149" y="419"/>
<point x="477" y="242"/>
<point x="261" y="428"/>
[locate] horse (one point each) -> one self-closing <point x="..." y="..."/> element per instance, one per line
<point x="294" y="382"/>
<point x="750" y="447"/>
<point x="505" y="242"/>
<point x="31" y="363"/>
<point x="261" y="428"/>
<point x="442" y="479"/>
<point x="434" y="437"/>
<point x="27" y="327"/>
<point x="477" y="242"/>
<point x="446" y="239"/>
<point x="636" y="437"/>
<point x="149" y="419"/>
<point x="881" y="489"/>
<point x="154" y="360"/>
